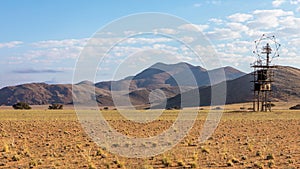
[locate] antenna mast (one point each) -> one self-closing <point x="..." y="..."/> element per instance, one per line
<point x="263" y="73"/>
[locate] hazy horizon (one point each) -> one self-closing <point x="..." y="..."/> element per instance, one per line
<point x="40" y="42"/>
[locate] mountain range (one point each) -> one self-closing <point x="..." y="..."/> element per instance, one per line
<point x="286" y="87"/>
<point x="171" y="81"/>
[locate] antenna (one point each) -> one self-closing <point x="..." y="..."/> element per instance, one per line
<point x="266" y="48"/>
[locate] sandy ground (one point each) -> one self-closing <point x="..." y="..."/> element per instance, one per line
<point x="42" y="138"/>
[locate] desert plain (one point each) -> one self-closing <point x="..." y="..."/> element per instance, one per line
<point x="41" y="138"/>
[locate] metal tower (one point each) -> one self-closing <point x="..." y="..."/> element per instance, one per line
<point x="266" y="48"/>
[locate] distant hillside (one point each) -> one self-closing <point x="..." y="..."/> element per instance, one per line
<point x="286" y="86"/>
<point x="36" y="93"/>
<point x="163" y="75"/>
<point x="158" y="76"/>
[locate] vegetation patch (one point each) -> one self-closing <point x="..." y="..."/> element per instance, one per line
<point x="21" y="106"/>
<point x="297" y="107"/>
<point x="56" y="106"/>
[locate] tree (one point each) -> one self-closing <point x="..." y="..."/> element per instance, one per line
<point x="297" y="107"/>
<point x="21" y="105"/>
<point x="55" y="106"/>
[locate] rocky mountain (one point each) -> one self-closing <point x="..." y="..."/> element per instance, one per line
<point x="286" y="86"/>
<point x="159" y="80"/>
<point x="165" y="75"/>
<point x="36" y="93"/>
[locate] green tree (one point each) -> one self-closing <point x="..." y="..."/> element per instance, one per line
<point x="55" y="106"/>
<point x="21" y="105"/>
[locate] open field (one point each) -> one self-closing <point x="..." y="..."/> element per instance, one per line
<point x="54" y="139"/>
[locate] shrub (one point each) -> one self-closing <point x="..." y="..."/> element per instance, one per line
<point x="105" y="108"/>
<point x="297" y="107"/>
<point x="270" y="157"/>
<point x="229" y="164"/>
<point x="258" y="165"/>
<point x="204" y="150"/>
<point x="21" y="105"/>
<point x="55" y="106"/>
<point x="16" y="158"/>
<point x="5" y="148"/>
<point x="180" y="163"/>
<point x="193" y="164"/>
<point x="269" y="105"/>
<point x="217" y="108"/>
<point x="166" y="162"/>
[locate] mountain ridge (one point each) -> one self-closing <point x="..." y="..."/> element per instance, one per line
<point x="159" y="76"/>
<point x="286" y="86"/>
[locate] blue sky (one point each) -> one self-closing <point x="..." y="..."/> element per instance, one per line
<point x="41" y="40"/>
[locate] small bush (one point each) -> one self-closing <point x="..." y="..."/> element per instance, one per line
<point x="193" y="164"/>
<point x="21" y="105"/>
<point x="244" y="157"/>
<point x="92" y="166"/>
<point x="204" y="150"/>
<point x="180" y="163"/>
<point x="258" y="153"/>
<point x="55" y="106"/>
<point x="5" y="148"/>
<point x="229" y="163"/>
<point x="166" y="162"/>
<point x="218" y="108"/>
<point x="270" y="157"/>
<point x="258" y="165"/>
<point x="16" y="158"/>
<point x="297" y="107"/>
<point x="105" y="108"/>
<point x="234" y="160"/>
<point x="270" y="105"/>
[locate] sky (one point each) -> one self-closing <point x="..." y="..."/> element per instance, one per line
<point x="41" y="41"/>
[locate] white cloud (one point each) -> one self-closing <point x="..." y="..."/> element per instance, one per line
<point x="165" y="31"/>
<point x="267" y="19"/>
<point x="289" y="27"/>
<point x="289" y="21"/>
<point x="236" y="47"/>
<point x="237" y="27"/>
<point x="146" y="40"/>
<point x="273" y="12"/>
<point x="11" y="44"/>
<point x="187" y="39"/>
<point x="193" y="27"/>
<point x="214" y="2"/>
<point x="234" y="38"/>
<point x="223" y="34"/>
<point x="295" y="42"/>
<point x="294" y="2"/>
<point x="197" y="5"/>
<point x="216" y="21"/>
<point x="277" y="3"/>
<point x="52" y="55"/>
<point x="239" y="17"/>
<point x="53" y="51"/>
<point x="60" y="43"/>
